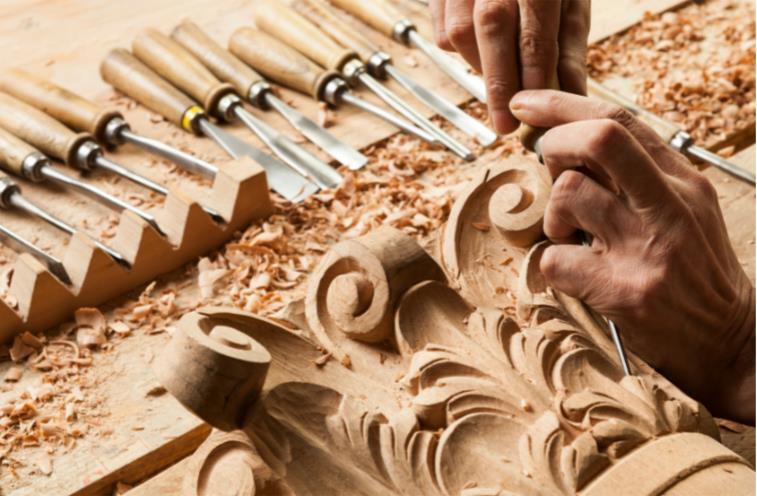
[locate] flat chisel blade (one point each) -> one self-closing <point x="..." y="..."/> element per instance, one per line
<point x="21" y="244"/>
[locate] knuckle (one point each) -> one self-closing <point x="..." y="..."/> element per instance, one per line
<point x="491" y="15"/>
<point x="620" y="115"/>
<point x="703" y="187"/>
<point x="549" y="264"/>
<point x="565" y="188"/>
<point x="459" y="31"/>
<point x="499" y="90"/>
<point x="536" y="48"/>
<point x="605" y="134"/>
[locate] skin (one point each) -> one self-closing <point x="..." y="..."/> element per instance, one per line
<point x="516" y="44"/>
<point x="660" y="264"/>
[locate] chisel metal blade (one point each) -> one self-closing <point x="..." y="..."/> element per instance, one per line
<point x="281" y="178"/>
<point x="21" y="244"/>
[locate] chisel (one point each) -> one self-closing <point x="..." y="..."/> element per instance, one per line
<point x="387" y="20"/>
<point x="180" y="68"/>
<point x="380" y="65"/>
<point x="285" y="65"/>
<point x="77" y="150"/>
<point x="677" y="138"/>
<point x="130" y="76"/>
<point x="21" y="244"/>
<point x="108" y="126"/>
<point x="290" y="27"/>
<point x="256" y="90"/>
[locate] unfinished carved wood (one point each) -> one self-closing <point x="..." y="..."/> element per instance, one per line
<point x="239" y="195"/>
<point x="464" y="401"/>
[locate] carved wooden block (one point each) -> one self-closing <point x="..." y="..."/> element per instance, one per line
<point x="239" y="195"/>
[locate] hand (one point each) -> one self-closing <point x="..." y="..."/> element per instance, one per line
<point x="660" y="264"/>
<point x="516" y="44"/>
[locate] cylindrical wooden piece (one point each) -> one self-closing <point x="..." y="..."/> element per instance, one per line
<point x="322" y="15"/>
<point x="376" y="13"/>
<point x="214" y="366"/>
<point x="169" y="59"/>
<point x="131" y="77"/>
<point x="224" y="65"/>
<point x="278" y="62"/>
<point x="40" y="130"/>
<point x="13" y="152"/>
<point x="69" y="108"/>
<point x="290" y="27"/>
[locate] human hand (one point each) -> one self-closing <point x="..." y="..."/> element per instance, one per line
<point x="660" y="264"/>
<point x="516" y="44"/>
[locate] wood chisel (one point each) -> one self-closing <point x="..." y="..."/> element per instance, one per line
<point x="108" y="126"/>
<point x="288" y="67"/>
<point x="19" y="243"/>
<point x="51" y="137"/>
<point x="256" y="90"/>
<point x="180" y="68"/>
<point x="284" y="23"/>
<point x="133" y="78"/>
<point x="380" y="65"/>
<point x="677" y="138"/>
<point x="387" y="20"/>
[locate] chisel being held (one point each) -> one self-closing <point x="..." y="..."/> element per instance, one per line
<point x="179" y="67"/>
<point x="18" y="243"/>
<point x="256" y="90"/>
<point x="50" y="136"/>
<point x="680" y="140"/>
<point x="380" y="65"/>
<point x="108" y="126"/>
<point x="290" y="27"/>
<point x="130" y="76"/>
<point x="388" y="21"/>
<point x="285" y="65"/>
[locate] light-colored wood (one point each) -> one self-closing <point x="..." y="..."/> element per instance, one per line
<point x="279" y="62"/>
<point x="321" y="14"/>
<point x="76" y="112"/>
<point x="13" y="152"/>
<point x="131" y="77"/>
<point x="224" y="65"/>
<point x="40" y="130"/>
<point x="378" y="14"/>
<point x="169" y="59"/>
<point x="288" y="26"/>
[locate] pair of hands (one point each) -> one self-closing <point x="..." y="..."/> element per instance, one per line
<point x="660" y="264"/>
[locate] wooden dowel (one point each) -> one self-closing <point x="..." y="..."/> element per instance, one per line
<point x="376" y="13"/>
<point x="322" y="15"/>
<point x="13" y="152"/>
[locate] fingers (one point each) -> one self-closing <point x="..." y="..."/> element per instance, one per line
<point x="578" y="202"/>
<point x="437" y="20"/>
<point x="496" y="23"/>
<point x="575" y="20"/>
<point x="539" y="27"/>
<point x="575" y="270"/>
<point x="604" y="146"/>
<point x="460" y="30"/>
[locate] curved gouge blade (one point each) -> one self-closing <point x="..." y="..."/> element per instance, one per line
<point x="719" y="162"/>
<point x="185" y="160"/>
<point x="21" y="244"/>
<point x="115" y="168"/>
<point x="296" y="157"/>
<point x="329" y="143"/>
<point x="454" y="69"/>
<point x="460" y="119"/>
<point x="281" y="178"/>
<point x="349" y="97"/>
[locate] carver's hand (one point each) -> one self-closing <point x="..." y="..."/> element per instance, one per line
<point x="661" y="264"/>
<point x="516" y="44"/>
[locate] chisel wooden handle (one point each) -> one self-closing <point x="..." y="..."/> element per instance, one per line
<point x="13" y="152"/>
<point x="279" y="62"/>
<point x="664" y="128"/>
<point x="220" y="61"/>
<point x="40" y="130"/>
<point x="376" y="13"/>
<point x="69" y="108"/>
<point x="179" y="67"/>
<point x="319" y="13"/>
<point x="287" y="25"/>
<point x="131" y="77"/>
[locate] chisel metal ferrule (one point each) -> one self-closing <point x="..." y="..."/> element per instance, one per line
<point x="114" y="131"/>
<point x="87" y="154"/>
<point x="334" y="89"/>
<point x="32" y="166"/>
<point x="377" y="63"/>
<point x="401" y="30"/>
<point x="226" y="106"/>
<point x="189" y="120"/>
<point x="257" y="94"/>
<point x="8" y="188"/>
<point x="352" y="71"/>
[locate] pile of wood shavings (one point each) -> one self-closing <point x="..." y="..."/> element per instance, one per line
<point x="693" y="66"/>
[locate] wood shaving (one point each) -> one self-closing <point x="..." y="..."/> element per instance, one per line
<point x="90" y="337"/>
<point x="14" y="374"/>
<point x="90" y="317"/>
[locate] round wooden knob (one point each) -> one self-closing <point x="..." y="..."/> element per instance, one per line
<point x="214" y="366"/>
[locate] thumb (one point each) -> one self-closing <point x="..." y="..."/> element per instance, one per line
<point x="575" y="270"/>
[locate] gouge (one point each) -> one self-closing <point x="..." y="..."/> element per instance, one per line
<point x="108" y="126"/>
<point x="680" y="140"/>
<point x="133" y="78"/>
<point x="19" y="243"/>
<point x="179" y="67"/>
<point x="287" y="66"/>
<point x="380" y="65"/>
<point x="256" y="90"/>
<point x="387" y="20"/>
<point x="290" y="27"/>
<point x="11" y="197"/>
<point x="31" y="125"/>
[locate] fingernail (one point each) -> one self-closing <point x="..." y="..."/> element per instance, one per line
<point x="521" y="100"/>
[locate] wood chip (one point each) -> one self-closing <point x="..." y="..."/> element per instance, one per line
<point x="321" y="360"/>
<point x="90" y="337"/>
<point x="90" y="317"/>
<point x="14" y="374"/>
